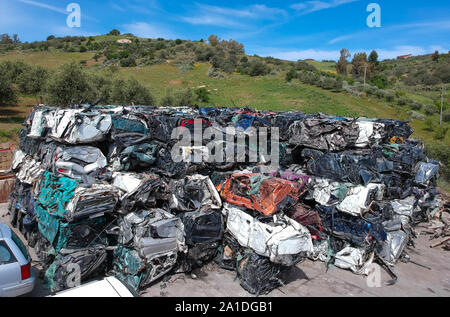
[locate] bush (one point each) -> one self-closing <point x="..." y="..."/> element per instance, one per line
<point x="257" y="68"/>
<point x="416" y="106"/>
<point x="127" y="92"/>
<point x="430" y="110"/>
<point x="380" y="81"/>
<point x="301" y="65"/>
<point x="440" y="132"/>
<point x="180" y="98"/>
<point x="350" y="80"/>
<point x="114" y="32"/>
<point x="446" y="115"/>
<point x="202" y="94"/>
<point x="440" y="152"/>
<point x="83" y="49"/>
<point x="33" y="81"/>
<point x="7" y="93"/>
<point x="128" y="62"/>
<point x="69" y="85"/>
<point x="390" y="96"/>
<point x="291" y="74"/>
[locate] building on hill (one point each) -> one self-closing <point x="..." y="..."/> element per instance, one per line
<point x="124" y="41"/>
<point x="404" y="56"/>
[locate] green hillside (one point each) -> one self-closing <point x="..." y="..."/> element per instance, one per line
<point x="234" y="79"/>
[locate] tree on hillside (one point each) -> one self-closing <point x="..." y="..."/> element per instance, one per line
<point x="435" y="56"/>
<point x="7" y="93"/>
<point x="373" y="57"/>
<point x="359" y="64"/>
<point x="114" y="32"/>
<point x="6" y="39"/>
<point x="213" y="40"/>
<point x="69" y="85"/>
<point x="341" y="65"/>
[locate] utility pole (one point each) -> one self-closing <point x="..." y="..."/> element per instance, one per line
<point x="442" y="103"/>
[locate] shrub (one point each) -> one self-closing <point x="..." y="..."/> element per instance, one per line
<point x="69" y="85"/>
<point x="114" y="32"/>
<point x="7" y="93"/>
<point x="416" y="106"/>
<point x="130" y="91"/>
<point x="440" y="132"/>
<point x="82" y="48"/>
<point x="257" y="68"/>
<point x="202" y="94"/>
<point x="128" y="62"/>
<point x="33" y="81"/>
<point x="350" y="80"/>
<point x="291" y="74"/>
<point x="390" y="96"/>
<point x="380" y="81"/>
<point x="440" y="152"/>
<point x="430" y="110"/>
<point x="446" y="115"/>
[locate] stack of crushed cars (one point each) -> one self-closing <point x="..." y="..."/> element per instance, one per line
<point x="98" y="193"/>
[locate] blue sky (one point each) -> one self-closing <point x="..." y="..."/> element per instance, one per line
<point x="289" y="29"/>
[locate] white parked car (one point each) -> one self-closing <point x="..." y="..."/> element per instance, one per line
<point x="107" y="287"/>
<point x="16" y="277"/>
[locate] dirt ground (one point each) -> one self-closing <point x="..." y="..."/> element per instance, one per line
<point x="310" y="278"/>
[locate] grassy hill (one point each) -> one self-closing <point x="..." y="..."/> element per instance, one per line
<point x="270" y="91"/>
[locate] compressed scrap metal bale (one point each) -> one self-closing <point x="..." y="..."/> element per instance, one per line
<point x="263" y="193"/>
<point x="203" y="232"/>
<point x="259" y="276"/>
<point x="73" y="266"/>
<point x="149" y="246"/>
<point x="192" y="193"/>
<point x="284" y="241"/>
<point x="138" y="191"/>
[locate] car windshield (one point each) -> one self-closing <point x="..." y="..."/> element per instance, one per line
<point x="20" y="244"/>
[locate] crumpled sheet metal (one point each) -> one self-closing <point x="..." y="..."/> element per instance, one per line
<point x="394" y="245"/>
<point x="194" y="192"/>
<point x="282" y="241"/>
<point x="155" y="223"/>
<point x="259" y="276"/>
<point x="268" y="195"/>
<point x="354" y="259"/>
<point x="30" y="171"/>
<point x="359" y="198"/>
<point x="18" y="158"/>
<point x="88" y="260"/>
<point x="92" y="201"/>
<point x="426" y="172"/>
<point x="79" y="160"/>
<point x="74" y="126"/>
<point x="370" y="133"/>
<point x="324" y="134"/>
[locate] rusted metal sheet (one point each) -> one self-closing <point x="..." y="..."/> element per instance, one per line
<point x="6" y="187"/>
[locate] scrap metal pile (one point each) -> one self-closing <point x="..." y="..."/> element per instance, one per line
<point x="99" y="192"/>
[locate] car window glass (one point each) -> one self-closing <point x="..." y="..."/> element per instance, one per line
<point x="20" y="244"/>
<point x="5" y="255"/>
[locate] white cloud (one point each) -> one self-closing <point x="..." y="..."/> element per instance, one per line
<point x="305" y="54"/>
<point x="228" y="17"/>
<point x="143" y="29"/>
<point x="313" y="6"/>
<point x="43" y="5"/>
